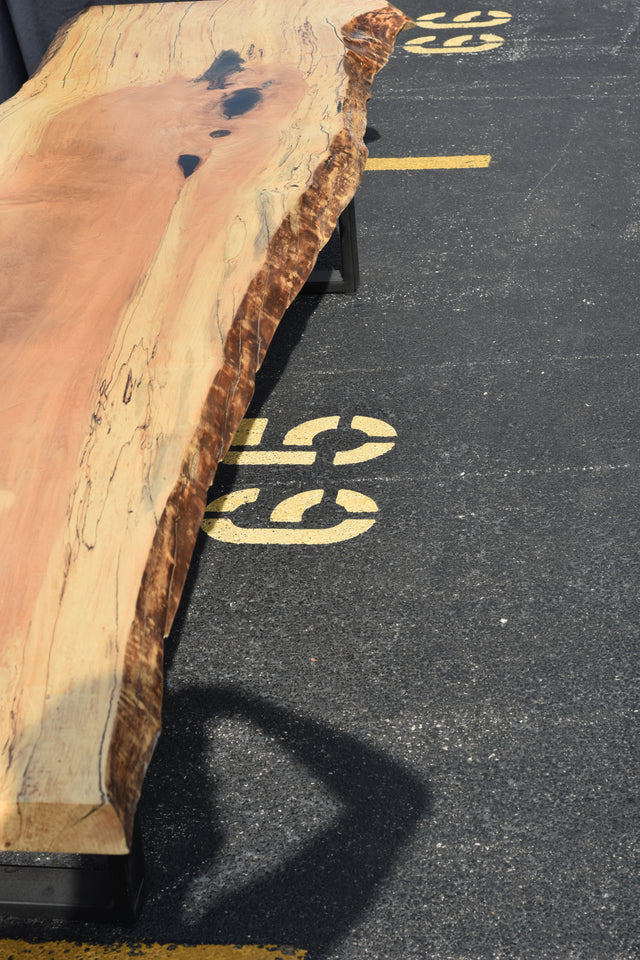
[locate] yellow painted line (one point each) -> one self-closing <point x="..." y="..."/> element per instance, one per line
<point x="293" y="508"/>
<point x="373" y="427"/>
<point x="463" y="20"/>
<point x="354" y="502"/>
<point x="223" y="529"/>
<point x="64" y="950"/>
<point x="366" y="451"/>
<point x="429" y="163"/>
<point x="250" y="431"/>
<point x="462" y="44"/>
<point x="269" y="458"/>
<point x="305" y="433"/>
<point x="229" y="502"/>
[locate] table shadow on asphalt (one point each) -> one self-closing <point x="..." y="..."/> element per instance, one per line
<point x="313" y="897"/>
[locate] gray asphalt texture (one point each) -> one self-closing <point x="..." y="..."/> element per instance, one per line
<point x="423" y="742"/>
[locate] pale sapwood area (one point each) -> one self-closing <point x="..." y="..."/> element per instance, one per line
<point x="167" y="180"/>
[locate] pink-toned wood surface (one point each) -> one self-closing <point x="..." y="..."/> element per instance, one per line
<point x="167" y="180"/>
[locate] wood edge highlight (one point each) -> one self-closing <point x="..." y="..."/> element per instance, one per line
<point x="71" y="827"/>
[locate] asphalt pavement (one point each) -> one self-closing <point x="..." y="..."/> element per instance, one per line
<point x="422" y="741"/>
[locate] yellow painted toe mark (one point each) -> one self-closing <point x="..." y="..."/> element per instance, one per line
<point x="64" y="950"/>
<point x="429" y="163"/>
<point x="7" y="499"/>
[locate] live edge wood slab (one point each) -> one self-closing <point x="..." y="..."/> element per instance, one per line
<point x="167" y="179"/>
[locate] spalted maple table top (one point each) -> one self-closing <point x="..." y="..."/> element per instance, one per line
<point x="167" y="179"/>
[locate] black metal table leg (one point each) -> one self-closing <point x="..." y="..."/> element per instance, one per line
<point x="323" y="280"/>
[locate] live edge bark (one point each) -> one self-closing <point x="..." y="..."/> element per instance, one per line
<point x="167" y="180"/>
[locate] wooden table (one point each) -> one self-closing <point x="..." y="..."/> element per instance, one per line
<point x="167" y="180"/>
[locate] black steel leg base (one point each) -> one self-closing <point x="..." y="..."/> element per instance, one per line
<point x="108" y="888"/>
<point x="335" y="281"/>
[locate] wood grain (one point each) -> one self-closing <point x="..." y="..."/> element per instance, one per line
<point x="168" y="178"/>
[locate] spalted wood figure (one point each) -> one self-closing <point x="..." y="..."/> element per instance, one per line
<point x="167" y="180"/>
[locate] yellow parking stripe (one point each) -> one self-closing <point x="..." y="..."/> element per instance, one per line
<point x="429" y="163"/>
<point x="64" y="950"/>
<point x="269" y="458"/>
